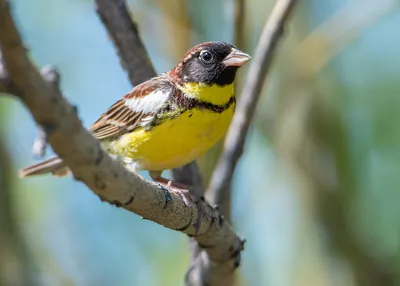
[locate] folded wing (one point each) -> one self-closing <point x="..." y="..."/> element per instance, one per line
<point x="136" y="109"/>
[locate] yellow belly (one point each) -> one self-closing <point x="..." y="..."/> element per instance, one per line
<point x="175" y="142"/>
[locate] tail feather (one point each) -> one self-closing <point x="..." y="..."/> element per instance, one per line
<point x="53" y="165"/>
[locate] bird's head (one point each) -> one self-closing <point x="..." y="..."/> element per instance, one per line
<point x="210" y="63"/>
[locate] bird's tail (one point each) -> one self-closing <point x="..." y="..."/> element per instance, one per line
<point x="53" y="165"/>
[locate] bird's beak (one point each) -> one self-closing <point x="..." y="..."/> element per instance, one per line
<point x="236" y="58"/>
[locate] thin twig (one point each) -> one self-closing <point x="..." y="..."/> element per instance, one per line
<point x="221" y="180"/>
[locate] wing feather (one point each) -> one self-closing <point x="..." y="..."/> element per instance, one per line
<point x="134" y="110"/>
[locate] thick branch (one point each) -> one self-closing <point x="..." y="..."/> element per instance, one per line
<point x="235" y="139"/>
<point x="90" y="164"/>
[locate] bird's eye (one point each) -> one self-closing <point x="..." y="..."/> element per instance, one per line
<point x="206" y="56"/>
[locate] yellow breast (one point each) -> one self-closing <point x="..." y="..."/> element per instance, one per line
<point x="178" y="141"/>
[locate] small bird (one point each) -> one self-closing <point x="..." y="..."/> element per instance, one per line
<point x="169" y="120"/>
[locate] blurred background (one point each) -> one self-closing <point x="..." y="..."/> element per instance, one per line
<point x="316" y="193"/>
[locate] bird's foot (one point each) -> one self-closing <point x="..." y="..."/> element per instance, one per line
<point x="184" y="192"/>
<point x="181" y="190"/>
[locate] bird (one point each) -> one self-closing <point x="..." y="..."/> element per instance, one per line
<point x="169" y="120"/>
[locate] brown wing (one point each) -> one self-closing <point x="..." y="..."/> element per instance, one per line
<point x="134" y="110"/>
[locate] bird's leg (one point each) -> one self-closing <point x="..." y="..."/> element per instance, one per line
<point x="180" y="189"/>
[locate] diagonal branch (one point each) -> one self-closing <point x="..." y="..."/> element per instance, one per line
<point x="221" y="180"/>
<point x="125" y="36"/>
<point x="90" y="164"/>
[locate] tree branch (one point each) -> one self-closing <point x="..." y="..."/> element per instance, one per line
<point x="39" y="145"/>
<point x="125" y="36"/>
<point x="221" y="180"/>
<point x="6" y="86"/>
<point x="104" y="176"/>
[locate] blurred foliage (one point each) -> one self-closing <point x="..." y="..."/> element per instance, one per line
<point x="316" y="193"/>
